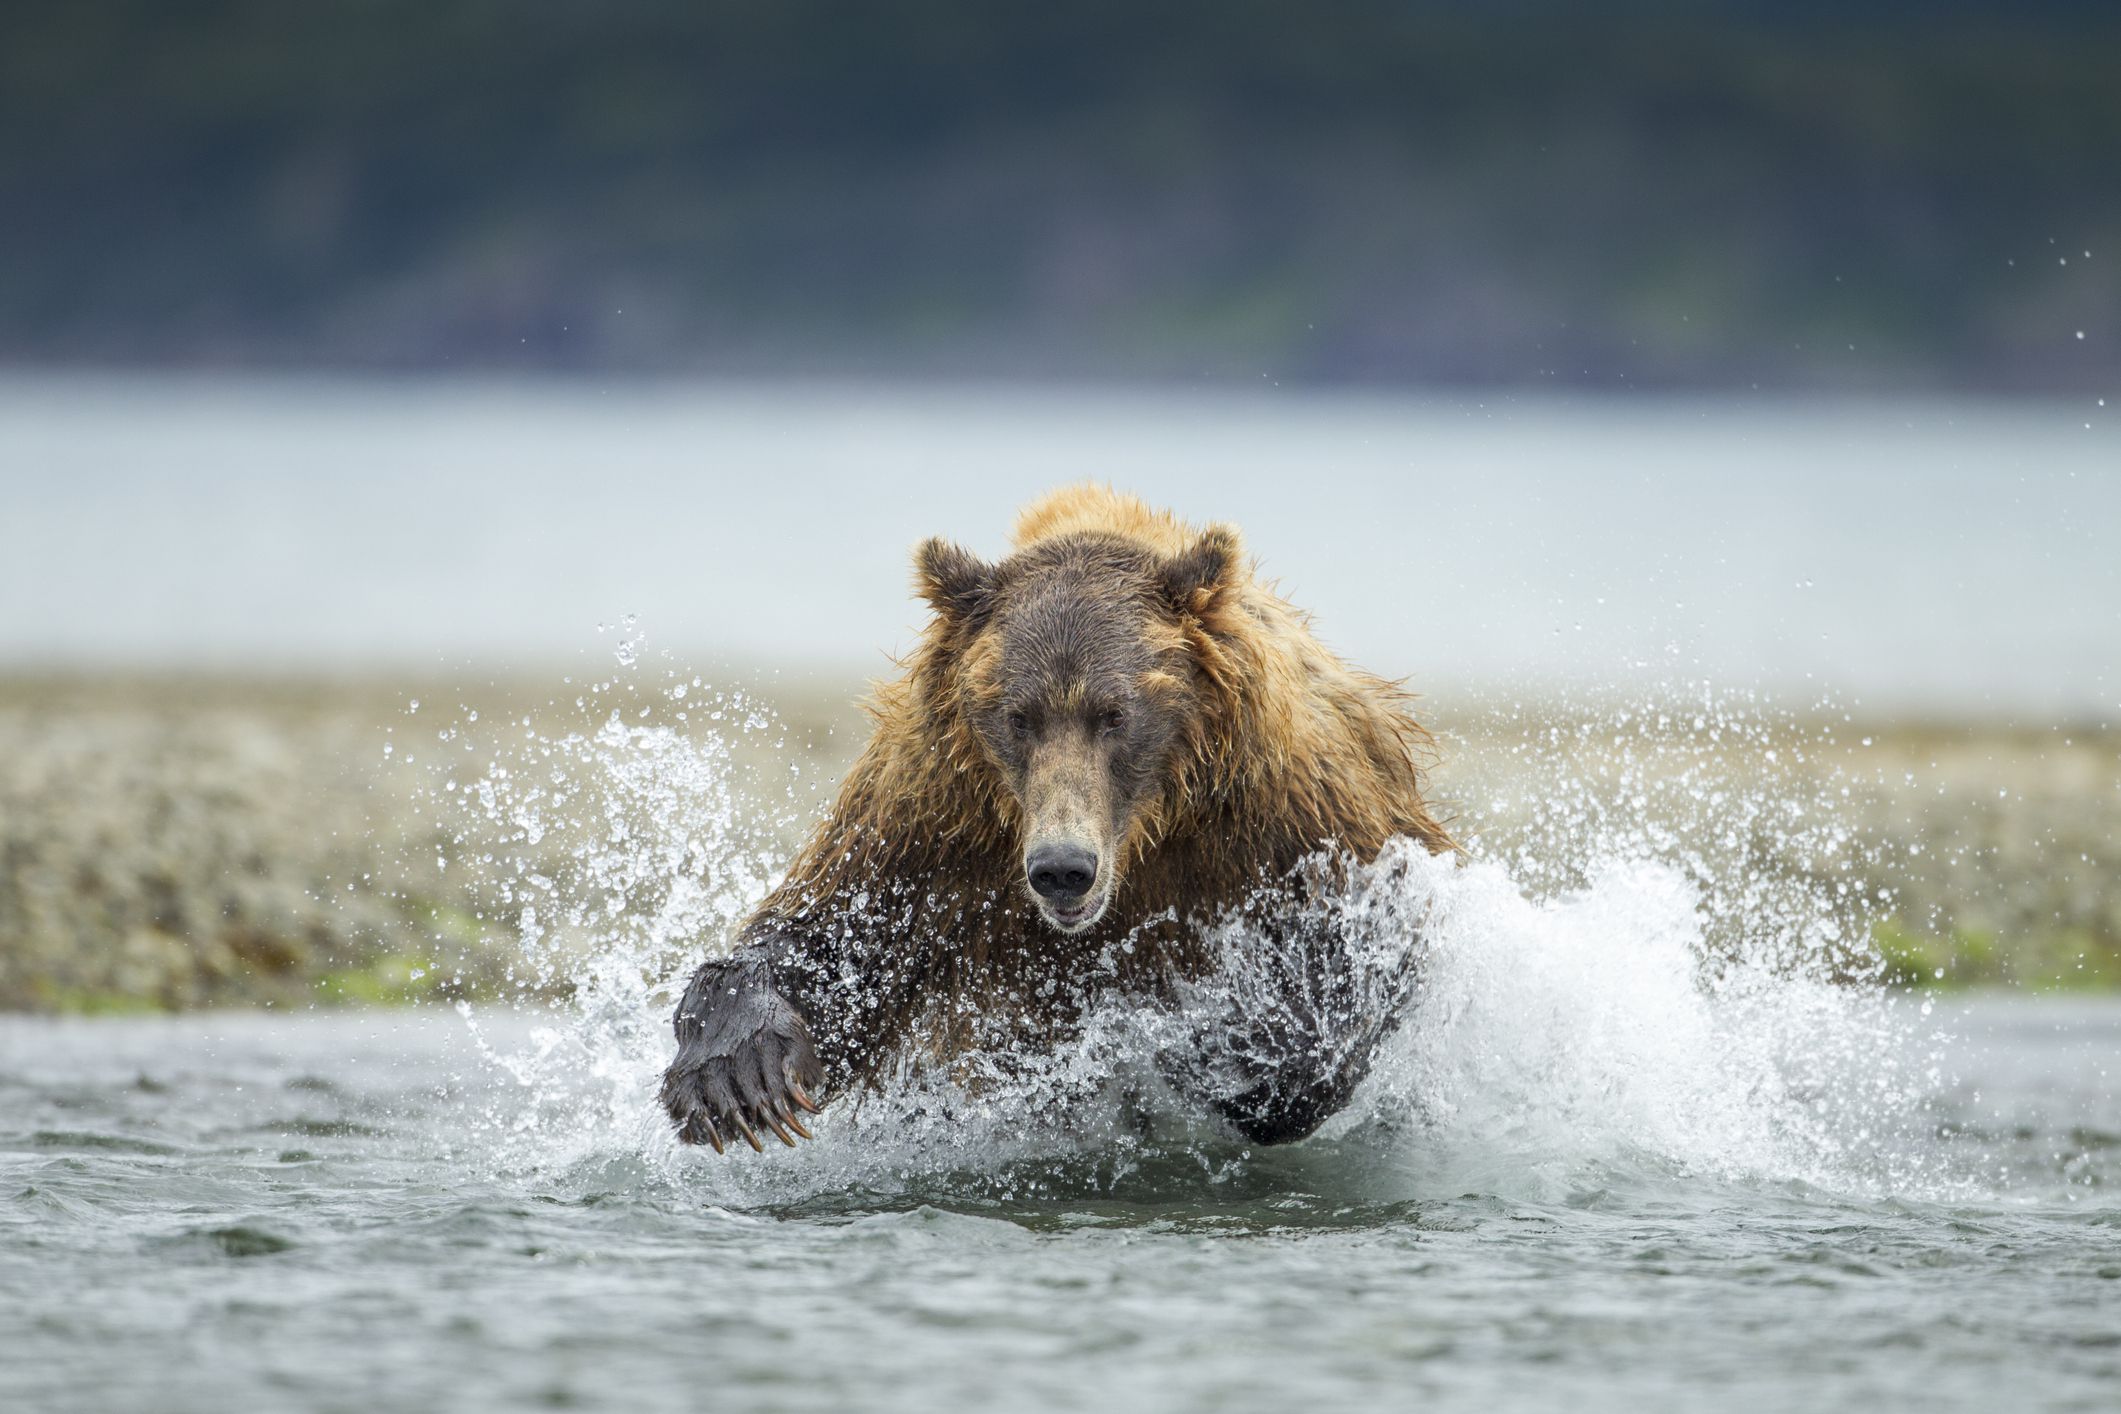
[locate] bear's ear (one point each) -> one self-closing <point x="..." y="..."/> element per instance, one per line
<point x="957" y="582"/>
<point x="1194" y="575"/>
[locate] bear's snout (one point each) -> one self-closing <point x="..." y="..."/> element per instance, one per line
<point x="1062" y="873"/>
<point x="1070" y="887"/>
<point x="1069" y="834"/>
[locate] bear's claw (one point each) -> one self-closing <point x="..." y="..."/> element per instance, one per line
<point x="710" y="1106"/>
<point x="745" y="1060"/>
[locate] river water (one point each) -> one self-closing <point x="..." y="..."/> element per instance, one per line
<point x="1926" y="556"/>
<point x="375" y="1211"/>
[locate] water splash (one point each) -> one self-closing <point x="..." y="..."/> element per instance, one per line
<point x="1598" y="1031"/>
<point x="1651" y="963"/>
<point x="612" y="853"/>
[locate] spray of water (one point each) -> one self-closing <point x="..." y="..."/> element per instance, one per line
<point x="1651" y="964"/>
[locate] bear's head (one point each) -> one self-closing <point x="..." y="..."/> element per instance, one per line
<point x="1081" y="670"/>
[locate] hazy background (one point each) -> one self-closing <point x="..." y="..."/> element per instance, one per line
<point x="1533" y="345"/>
<point x="1873" y="194"/>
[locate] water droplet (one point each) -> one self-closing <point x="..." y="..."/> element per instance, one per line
<point x="629" y="650"/>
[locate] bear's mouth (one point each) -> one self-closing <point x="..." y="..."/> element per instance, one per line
<point x="1075" y="917"/>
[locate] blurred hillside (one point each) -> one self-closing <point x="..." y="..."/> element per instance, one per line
<point x="1866" y="196"/>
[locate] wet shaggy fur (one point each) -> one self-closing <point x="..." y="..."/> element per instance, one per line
<point x="1127" y="676"/>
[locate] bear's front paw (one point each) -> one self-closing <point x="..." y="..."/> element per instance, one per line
<point x="745" y="1060"/>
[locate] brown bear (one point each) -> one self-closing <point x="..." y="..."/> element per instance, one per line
<point x="1102" y="745"/>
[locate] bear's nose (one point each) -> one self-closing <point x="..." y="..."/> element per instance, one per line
<point x="1061" y="871"/>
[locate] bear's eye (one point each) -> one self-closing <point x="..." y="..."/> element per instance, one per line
<point x="1111" y="720"/>
<point x="1019" y="724"/>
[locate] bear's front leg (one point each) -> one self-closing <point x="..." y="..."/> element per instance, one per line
<point x="1284" y="1037"/>
<point x="1288" y="1093"/>
<point x="745" y="1058"/>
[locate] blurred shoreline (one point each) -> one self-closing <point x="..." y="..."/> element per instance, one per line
<point x="1867" y="195"/>
<point x="176" y="841"/>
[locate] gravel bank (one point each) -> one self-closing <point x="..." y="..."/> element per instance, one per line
<point x="174" y="844"/>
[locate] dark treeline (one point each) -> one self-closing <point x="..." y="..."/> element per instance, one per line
<point x="1607" y="196"/>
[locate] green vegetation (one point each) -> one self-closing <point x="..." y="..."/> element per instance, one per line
<point x="387" y="980"/>
<point x="47" y="996"/>
<point x="2068" y="960"/>
<point x="1798" y="195"/>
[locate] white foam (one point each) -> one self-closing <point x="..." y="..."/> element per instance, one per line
<point x="1597" y="1031"/>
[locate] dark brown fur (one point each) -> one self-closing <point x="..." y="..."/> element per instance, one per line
<point x="1118" y="677"/>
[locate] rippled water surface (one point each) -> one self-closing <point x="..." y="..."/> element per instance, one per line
<point x="347" y="1212"/>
